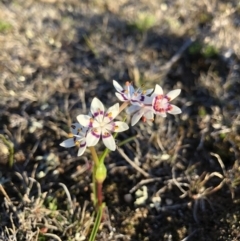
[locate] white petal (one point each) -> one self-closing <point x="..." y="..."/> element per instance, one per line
<point x="175" y="110"/>
<point x="132" y="109"/>
<point x="114" y="110"/>
<point x="92" y="138"/>
<point x="149" y="91"/>
<point x="109" y="142"/>
<point x="117" y="86"/>
<point x="130" y="89"/>
<point x="75" y="127"/>
<point x="68" y="143"/>
<point x="121" y="97"/>
<point x="96" y="124"/>
<point x="137" y="99"/>
<point x="149" y="115"/>
<point x="120" y="126"/>
<point x="173" y="94"/>
<point x="84" y="120"/>
<point x="158" y="90"/>
<point x="109" y="127"/>
<point x="148" y="100"/>
<point x="164" y="115"/>
<point x="82" y="148"/>
<point x="96" y="106"/>
<point x="136" y="117"/>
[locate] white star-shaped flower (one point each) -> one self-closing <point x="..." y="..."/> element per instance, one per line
<point x="161" y="104"/>
<point x="128" y="93"/>
<point x="145" y="111"/>
<point x="157" y="103"/>
<point x="101" y="124"/>
<point x="78" y="138"/>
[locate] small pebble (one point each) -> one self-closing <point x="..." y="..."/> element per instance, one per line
<point x="169" y="201"/>
<point x="128" y="198"/>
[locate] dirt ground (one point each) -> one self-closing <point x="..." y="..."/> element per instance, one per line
<point x="56" y="56"/>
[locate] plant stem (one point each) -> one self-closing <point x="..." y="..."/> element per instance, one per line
<point x="94" y="155"/>
<point x="99" y="193"/>
<point x="95" y="164"/>
<point x="97" y="223"/>
<point x="95" y="200"/>
<point x="123" y="106"/>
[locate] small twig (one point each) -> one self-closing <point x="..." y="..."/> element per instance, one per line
<point x="46" y="225"/>
<point x="52" y="236"/>
<point x="177" y="183"/>
<point x="177" y="55"/>
<point x="176" y="207"/>
<point x="83" y="211"/>
<point x="190" y="235"/>
<point x="215" y="189"/>
<point x="145" y="174"/>
<point x="4" y="193"/>
<point x="68" y="197"/>
<point x="32" y="153"/>
<point x="159" y="142"/>
<point x="203" y="135"/>
<point x="39" y="191"/>
<point x="220" y="163"/>
<point x="13" y="226"/>
<point x="143" y="182"/>
<point x="81" y="94"/>
<point x="216" y="174"/>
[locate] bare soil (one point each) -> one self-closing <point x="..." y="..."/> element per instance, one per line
<point x="56" y="56"/>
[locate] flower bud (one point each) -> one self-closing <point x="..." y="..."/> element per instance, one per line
<point x="101" y="173"/>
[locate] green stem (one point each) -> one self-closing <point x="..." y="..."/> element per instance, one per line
<point x="94" y="155"/>
<point x="97" y="222"/>
<point x="104" y="154"/>
<point x="97" y="186"/>
<point x="126" y="141"/>
<point x="95" y="164"/>
<point x="94" y="186"/>
<point x="106" y="151"/>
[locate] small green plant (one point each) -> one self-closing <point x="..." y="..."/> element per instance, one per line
<point x="10" y="147"/>
<point x="4" y="26"/>
<point x="42" y="237"/>
<point x="202" y="111"/>
<point x="195" y="48"/>
<point x="204" y="18"/>
<point x="143" y="22"/>
<point x="51" y="203"/>
<point x="90" y="45"/>
<point x="207" y="51"/>
<point x="100" y="124"/>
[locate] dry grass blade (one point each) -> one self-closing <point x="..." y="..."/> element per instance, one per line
<point x="145" y="174"/>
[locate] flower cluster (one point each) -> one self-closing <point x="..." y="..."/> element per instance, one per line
<point x="147" y="103"/>
<point x="100" y="124"/>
